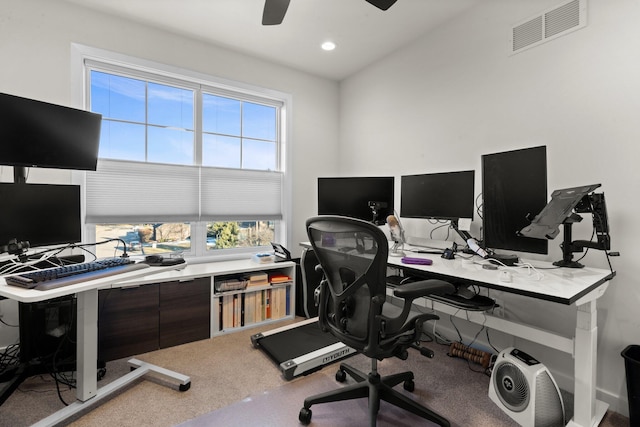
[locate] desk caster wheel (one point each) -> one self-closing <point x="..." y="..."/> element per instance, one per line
<point x="409" y="385"/>
<point x="341" y="376"/>
<point x="184" y="387"/>
<point x="305" y="416"/>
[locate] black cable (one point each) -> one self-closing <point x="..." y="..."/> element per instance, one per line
<point x="479" y="207"/>
<point x="83" y="246"/>
<point x="66" y="338"/>
<point x="9" y="359"/>
<point x="489" y="340"/>
<point x="7" y="324"/>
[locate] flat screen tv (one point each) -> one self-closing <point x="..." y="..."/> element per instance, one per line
<point x="38" y="134"/>
<point x="354" y="196"/>
<point x="41" y="214"/>
<point x="514" y="189"/>
<point x="441" y="196"/>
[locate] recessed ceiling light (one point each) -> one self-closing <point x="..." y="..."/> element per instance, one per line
<point x="328" y="46"/>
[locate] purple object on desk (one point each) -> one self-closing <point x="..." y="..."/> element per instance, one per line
<point x="411" y="260"/>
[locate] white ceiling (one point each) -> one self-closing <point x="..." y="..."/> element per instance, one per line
<point x="362" y="32"/>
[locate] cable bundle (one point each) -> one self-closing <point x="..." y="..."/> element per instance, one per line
<point x="457" y="349"/>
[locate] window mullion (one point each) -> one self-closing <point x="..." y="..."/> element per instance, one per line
<point x="146" y="121"/>
<point x="198" y="131"/>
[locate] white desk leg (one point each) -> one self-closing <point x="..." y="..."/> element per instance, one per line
<point x="87" y="346"/>
<point x="87" y="391"/>
<point x="587" y="411"/>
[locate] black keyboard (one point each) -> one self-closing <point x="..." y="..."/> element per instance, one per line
<point x="57" y="277"/>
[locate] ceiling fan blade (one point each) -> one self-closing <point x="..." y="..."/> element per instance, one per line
<point x="274" y="11"/>
<point x="382" y="4"/>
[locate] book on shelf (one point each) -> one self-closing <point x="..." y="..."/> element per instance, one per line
<point x="237" y="310"/>
<point x="257" y="279"/>
<point x="287" y="301"/>
<point x="231" y="284"/>
<point x="227" y="312"/>
<point x="249" y="308"/>
<point x="277" y="301"/>
<point x="279" y="278"/>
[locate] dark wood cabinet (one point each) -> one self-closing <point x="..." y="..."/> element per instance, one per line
<point x="145" y="318"/>
<point x="185" y="309"/>
<point x="128" y="321"/>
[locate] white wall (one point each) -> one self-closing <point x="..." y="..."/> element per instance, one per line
<point x="437" y="105"/>
<point x="35" y="46"/>
<point x="440" y="103"/>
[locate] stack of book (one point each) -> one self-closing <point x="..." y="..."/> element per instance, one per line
<point x="279" y="279"/>
<point x="258" y="278"/>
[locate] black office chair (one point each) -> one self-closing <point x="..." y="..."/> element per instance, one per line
<point x="353" y="255"/>
<point x="311" y="278"/>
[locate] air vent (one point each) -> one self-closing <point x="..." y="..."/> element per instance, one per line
<point x="548" y="25"/>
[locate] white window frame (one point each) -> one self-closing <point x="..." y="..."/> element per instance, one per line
<point x="80" y="54"/>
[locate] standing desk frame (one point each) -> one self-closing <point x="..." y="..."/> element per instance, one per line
<point x="87" y="392"/>
<point x="580" y="287"/>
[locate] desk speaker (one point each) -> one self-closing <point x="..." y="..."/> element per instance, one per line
<point x="525" y="390"/>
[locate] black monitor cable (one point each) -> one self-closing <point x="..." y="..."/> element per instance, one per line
<point x="51" y="255"/>
<point x="479" y="205"/>
<point x="59" y="377"/>
<point x="9" y="361"/>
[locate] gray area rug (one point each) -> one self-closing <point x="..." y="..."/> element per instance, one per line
<point x="280" y="407"/>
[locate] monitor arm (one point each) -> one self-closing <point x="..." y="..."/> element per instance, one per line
<point x="469" y="239"/>
<point x="375" y="207"/>
<point x="592" y="203"/>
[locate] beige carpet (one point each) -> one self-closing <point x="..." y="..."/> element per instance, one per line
<point x="277" y="408"/>
<point x="229" y="377"/>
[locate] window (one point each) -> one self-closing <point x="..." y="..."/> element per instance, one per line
<point x="186" y="164"/>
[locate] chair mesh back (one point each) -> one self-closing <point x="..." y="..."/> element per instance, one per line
<point x="353" y="255"/>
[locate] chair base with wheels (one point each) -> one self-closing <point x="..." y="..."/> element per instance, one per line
<point x="376" y="388"/>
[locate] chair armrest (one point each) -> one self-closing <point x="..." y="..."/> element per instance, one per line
<point x="423" y="288"/>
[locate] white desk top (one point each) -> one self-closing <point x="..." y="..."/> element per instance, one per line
<point x="32" y="295"/>
<point x="547" y="282"/>
<point x="180" y="272"/>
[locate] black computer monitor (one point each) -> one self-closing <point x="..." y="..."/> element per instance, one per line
<point x="357" y="197"/>
<point x="446" y="196"/>
<point x="38" y="134"/>
<point x="41" y="214"/>
<point x="514" y="189"/>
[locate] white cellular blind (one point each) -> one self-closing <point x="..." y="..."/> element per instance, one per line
<point x="123" y="191"/>
<point x="241" y="194"/>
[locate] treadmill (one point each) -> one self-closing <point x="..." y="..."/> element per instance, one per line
<point x="301" y="348"/>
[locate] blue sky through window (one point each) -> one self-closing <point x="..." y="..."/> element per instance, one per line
<point x="148" y="121"/>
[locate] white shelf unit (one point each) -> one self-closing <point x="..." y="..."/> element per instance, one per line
<point x="220" y="270"/>
<point x="235" y="310"/>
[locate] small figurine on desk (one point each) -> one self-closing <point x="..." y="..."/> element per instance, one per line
<point x="397" y="235"/>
